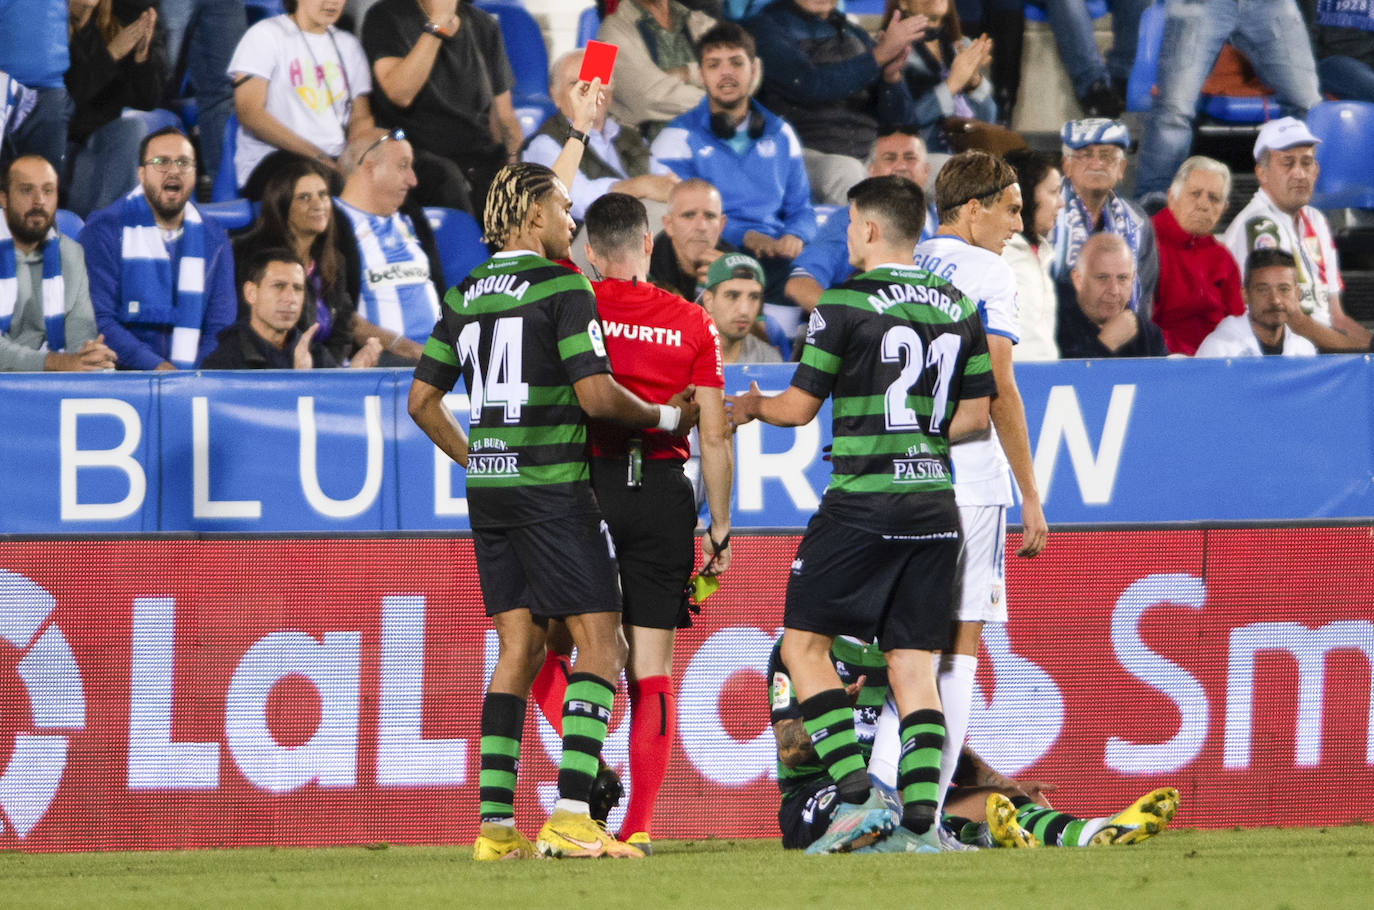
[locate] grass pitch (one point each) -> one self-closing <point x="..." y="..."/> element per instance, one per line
<point x="1293" y="868"/>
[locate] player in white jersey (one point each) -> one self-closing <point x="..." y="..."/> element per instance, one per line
<point x="979" y="203"/>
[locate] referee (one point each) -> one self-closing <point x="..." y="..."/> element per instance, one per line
<point x="658" y="343"/>
<point x="522" y="332"/>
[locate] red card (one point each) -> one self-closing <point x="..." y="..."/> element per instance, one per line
<point x="597" y="62"/>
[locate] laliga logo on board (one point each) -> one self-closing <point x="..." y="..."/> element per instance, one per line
<point x="52" y="681"/>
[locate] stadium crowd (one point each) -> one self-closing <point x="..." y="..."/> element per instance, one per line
<point x="777" y="153"/>
<point x="746" y="141"/>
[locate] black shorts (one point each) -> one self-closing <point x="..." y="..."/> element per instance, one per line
<point x="653" y="527"/>
<point x="897" y="590"/>
<point x="806" y="813"/>
<point x="560" y="567"/>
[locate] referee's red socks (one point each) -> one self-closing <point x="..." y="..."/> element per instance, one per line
<point x="653" y="726"/>
<point x="550" y="686"/>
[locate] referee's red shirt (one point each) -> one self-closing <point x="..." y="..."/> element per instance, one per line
<point x="657" y="343"/>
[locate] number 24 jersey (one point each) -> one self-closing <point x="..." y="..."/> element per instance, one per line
<point x="520" y="330"/>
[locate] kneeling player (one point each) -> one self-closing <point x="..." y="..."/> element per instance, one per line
<point x="986" y="809"/>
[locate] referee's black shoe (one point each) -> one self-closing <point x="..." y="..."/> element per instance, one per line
<point x="606" y="793"/>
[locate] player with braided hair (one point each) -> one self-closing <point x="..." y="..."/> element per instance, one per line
<point x="516" y="188"/>
<point x="523" y="333"/>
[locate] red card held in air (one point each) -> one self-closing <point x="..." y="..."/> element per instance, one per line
<point x="597" y="62"/>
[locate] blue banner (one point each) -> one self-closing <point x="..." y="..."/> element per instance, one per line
<point x="1116" y="442"/>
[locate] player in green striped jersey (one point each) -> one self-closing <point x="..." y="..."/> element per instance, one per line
<point x="523" y="333"/>
<point x="905" y="359"/>
<point x="986" y="809"/>
<point x="808" y="793"/>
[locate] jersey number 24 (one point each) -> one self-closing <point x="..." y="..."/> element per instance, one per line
<point x="504" y="385"/>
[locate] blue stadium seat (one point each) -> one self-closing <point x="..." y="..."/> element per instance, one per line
<point x="778" y="337"/>
<point x="1035" y="11"/>
<point x="459" y="239"/>
<point x="1346" y="129"/>
<point x="862" y="7"/>
<point x="529" y="58"/>
<point x="226" y="186"/>
<point x="1240" y="108"/>
<point x="1142" y="78"/>
<point x="263" y="9"/>
<point x="587" y="24"/>
<point x="531" y="116"/>
<point x="231" y="215"/>
<point x="185" y="104"/>
<point x="739" y="10"/>
<point x="69" y="224"/>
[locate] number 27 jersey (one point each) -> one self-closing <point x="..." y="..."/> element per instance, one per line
<point x="897" y="348"/>
<point x="520" y="330"/>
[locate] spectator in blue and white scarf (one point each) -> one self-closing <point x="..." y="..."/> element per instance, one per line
<point x="162" y="277"/>
<point x="1094" y="164"/>
<point x="46" y="322"/>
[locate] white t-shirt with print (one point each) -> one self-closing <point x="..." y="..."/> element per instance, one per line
<point x="312" y="80"/>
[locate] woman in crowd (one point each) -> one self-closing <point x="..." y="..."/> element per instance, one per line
<point x="297" y="214"/>
<point x="944" y="74"/>
<point x="114" y="68"/>
<point x="1030" y="254"/>
<point x="300" y="85"/>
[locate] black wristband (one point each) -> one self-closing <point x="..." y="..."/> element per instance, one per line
<point x="722" y="543"/>
<point x="578" y="135"/>
<point x="433" y="28"/>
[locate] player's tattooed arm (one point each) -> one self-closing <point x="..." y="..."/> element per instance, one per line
<point x="974" y="771"/>
<point x="794" y="745"/>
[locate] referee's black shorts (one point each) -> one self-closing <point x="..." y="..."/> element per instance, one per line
<point x="653" y="527"/>
<point x="897" y="590"/>
<point x="561" y="567"/>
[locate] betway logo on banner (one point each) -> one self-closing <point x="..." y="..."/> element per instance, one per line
<point x="1113" y="442"/>
<point x="314" y="692"/>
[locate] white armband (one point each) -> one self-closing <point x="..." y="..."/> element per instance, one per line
<point x="668" y="417"/>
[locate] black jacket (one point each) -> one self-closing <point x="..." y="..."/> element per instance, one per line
<point x="241" y="348"/>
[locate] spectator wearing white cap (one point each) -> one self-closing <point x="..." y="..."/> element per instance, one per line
<point x="1279" y="217"/>
<point x="1272" y="36"/>
<point x="1094" y="164"/>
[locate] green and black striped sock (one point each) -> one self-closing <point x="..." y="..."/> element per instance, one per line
<point x="918" y="770"/>
<point x="1051" y="828"/>
<point x="829" y="720"/>
<point x="503" y="720"/>
<point x="966" y="830"/>
<point x="586" y="714"/>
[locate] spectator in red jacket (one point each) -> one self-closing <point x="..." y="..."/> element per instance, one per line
<point x="1199" y="284"/>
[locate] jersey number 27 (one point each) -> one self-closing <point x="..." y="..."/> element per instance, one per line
<point x="902" y="345"/>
